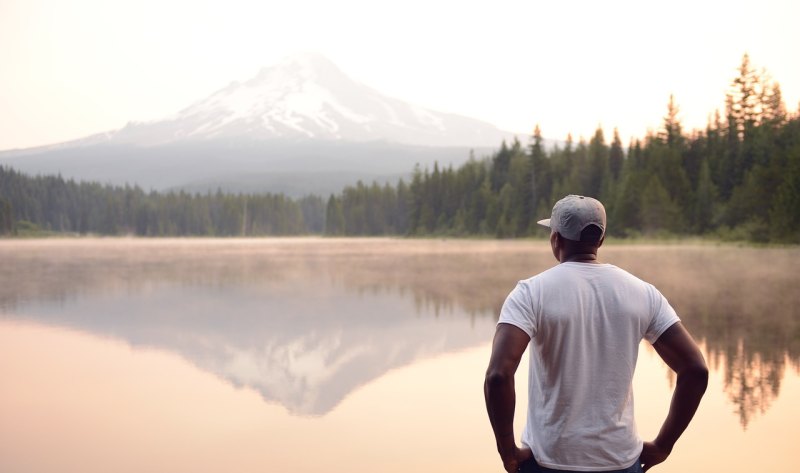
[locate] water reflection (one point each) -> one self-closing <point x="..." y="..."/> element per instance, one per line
<point x="742" y="302"/>
<point x="293" y="326"/>
<point x="307" y="321"/>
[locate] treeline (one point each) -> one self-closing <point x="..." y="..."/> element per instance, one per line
<point x="737" y="179"/>
<point x="53" y="203"/>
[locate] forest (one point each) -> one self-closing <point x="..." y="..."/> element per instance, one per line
<point x="737" y="179"/>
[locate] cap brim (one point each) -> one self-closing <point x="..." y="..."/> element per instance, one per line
<point x="544" y="223"/>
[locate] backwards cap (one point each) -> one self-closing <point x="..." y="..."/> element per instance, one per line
<point x="573" y="213"/>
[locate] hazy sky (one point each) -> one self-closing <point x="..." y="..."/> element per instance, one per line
<point x="69" y="69"/>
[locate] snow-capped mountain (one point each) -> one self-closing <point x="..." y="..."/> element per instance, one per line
<point x="307" y="97"/>
<point x="300" y="126"/>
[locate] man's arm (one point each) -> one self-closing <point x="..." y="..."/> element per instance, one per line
<point x="679" y="351"/>
<point x="507" y="349"/>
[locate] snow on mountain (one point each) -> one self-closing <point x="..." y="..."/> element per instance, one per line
<point x="307" y="97"/>
<point x="298" y="127"/>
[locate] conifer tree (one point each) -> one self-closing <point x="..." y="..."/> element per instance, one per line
<point x="657" y="211"/>
<point x="744" y="98"/>
<point x="500" y="165"/>
<point x="537" y="158"/>
<point x="784" y="216"/>
<point x="705" y="196"/>
<point x="616" y="156"/>
<point x="6" y="217"/>
<point x="672" y="134"/>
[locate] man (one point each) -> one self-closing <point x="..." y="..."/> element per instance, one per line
<point x="583" y="321"/>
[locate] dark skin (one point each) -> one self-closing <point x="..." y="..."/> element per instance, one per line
<point x="675" y="346"/>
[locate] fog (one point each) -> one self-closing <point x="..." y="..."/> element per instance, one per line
<point x="305" y="321"/>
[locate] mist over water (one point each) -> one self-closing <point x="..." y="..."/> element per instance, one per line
<point x="310" y="324"/>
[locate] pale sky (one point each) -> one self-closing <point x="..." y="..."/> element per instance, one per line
<point x="70" y="69"/>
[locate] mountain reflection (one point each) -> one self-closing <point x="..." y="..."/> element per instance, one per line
<point x="307" y="321"/>
<point x="303" y="322"/>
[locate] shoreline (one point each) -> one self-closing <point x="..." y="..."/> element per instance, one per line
<point x="689" y="240"/>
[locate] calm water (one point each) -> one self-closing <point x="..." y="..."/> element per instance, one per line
<point x="347" y="355"/>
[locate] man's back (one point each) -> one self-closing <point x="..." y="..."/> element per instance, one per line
<point x="585" y="322"/>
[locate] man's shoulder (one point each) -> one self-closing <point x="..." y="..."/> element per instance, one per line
<point x="624" y="274"/>
<point x="566" y="269"/>
<point x="566" y="272"/>
<point x="554" y="271"/>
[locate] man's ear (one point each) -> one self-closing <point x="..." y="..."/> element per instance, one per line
<point x="600" y="243"/>
<point x="555" y="244"/>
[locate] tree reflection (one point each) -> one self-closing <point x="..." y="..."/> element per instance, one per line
<point x="751" y="382"/>
<point x="741" y="302"/>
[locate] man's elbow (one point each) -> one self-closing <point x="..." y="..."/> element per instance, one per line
<point x="701" y="372"/>
<point x="497" y="377"/>
<point x="695" y="374"/>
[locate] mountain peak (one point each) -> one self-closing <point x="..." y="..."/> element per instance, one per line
<point x="306" y="96"/>
<point x="306" y="64"/>
<point x="308" y="60"/>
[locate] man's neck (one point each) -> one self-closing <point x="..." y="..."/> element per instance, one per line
<point x="580" y="258"/>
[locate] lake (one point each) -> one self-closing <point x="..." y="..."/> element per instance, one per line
<point x="349" y="355"/>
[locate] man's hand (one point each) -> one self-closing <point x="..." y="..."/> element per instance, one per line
<point x="652" y="455"/>
<point x="677" y="348"/>
<point x="517" y="457"/>
<point x="509" y="344"/>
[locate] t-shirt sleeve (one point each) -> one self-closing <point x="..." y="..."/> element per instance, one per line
<point x="517" y="310"/>
<point x="663" y="316"/>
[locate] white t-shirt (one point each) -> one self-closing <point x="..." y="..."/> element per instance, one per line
<point x="585" y="322"/>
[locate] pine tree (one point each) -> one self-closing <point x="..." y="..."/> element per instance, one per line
<point x="616" y="156"/>
<point x="6" y="217"/>
<point x="672" y="134"/>
<point x="784" y="216"/>
<point x="537" y="162"/>
<point x="705" y="196"/>
<point x="598" y="164"/>
<point x="334" y="218"/>
<point x="500" y="165"/>
<point x="657" y="211"/>
<point x="744" y="105"/>
<point x="774" y="107"/>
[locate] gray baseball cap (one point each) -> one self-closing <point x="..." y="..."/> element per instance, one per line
<point x="573" y="213"/>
